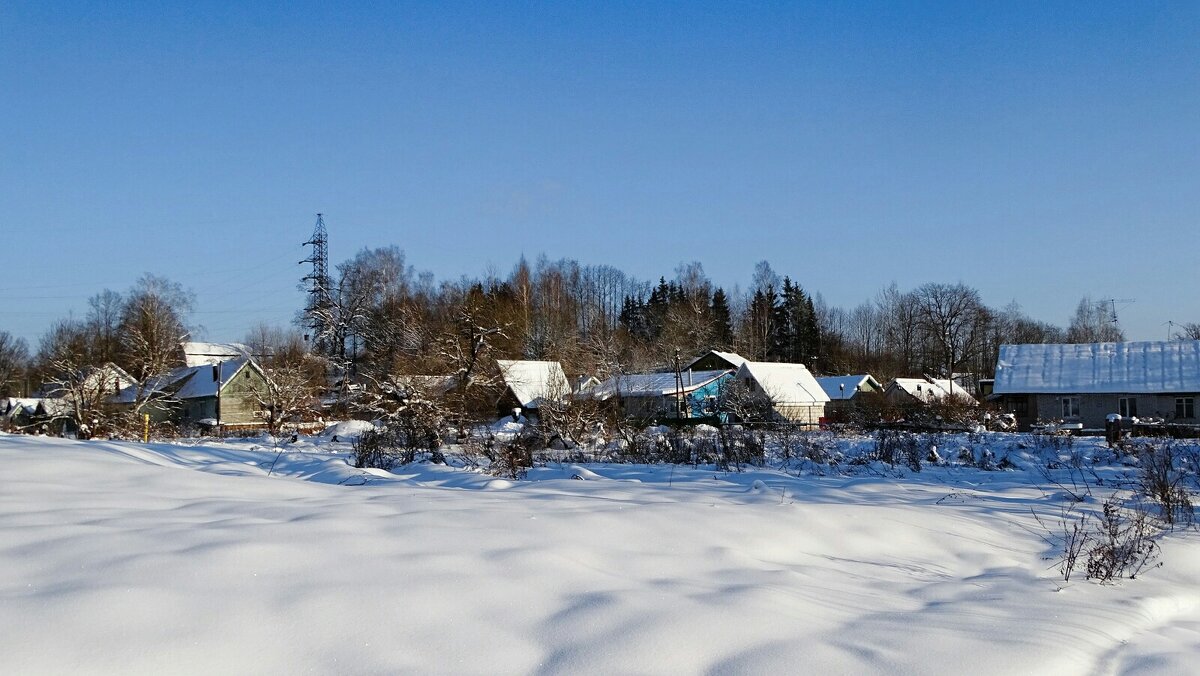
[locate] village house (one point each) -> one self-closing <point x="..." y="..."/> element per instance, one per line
<point x="791" y="391"/>
<point x="849" y="392"/>
<point x="528" y="385"/>
<point x="1082" y="384"/>
<point x="691" y="394"/>
<point x="222" y="394"/>
<point x="907" y="392"/>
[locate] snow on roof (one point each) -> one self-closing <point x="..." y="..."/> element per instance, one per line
<point x="732" y="357"/>
<point x="845" y="387"/>
<point x="200" y="354"/>
<point x="533" y="381"/>
<point x="654" y="384"/>
<point x="434" y="386"/>
<point x="930" y="390"/>
<point x="16" y="406"/>
<point x="1091" y="368"/>
<point x="190" y="382"/>
<point x="784" y="383"/>
<point x="203" y="384"/>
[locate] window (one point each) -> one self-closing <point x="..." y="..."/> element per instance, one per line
<point x="1127" y="407"/>
<point x="1070" y="407"/>
<point x="1185" y="407"/>
<point x="1019" y="407"/>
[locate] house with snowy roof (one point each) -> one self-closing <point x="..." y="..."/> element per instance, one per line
<point x="849" y="392"/>
<point x="17" y="414"/>
<point x="223" y="394"/>
<point x="907" y="392"/>
<point x="691" y="394"/>
<point x="1084" y="383"/>
<point x="528" y="384"/>
<point x="197" y="353"/>
<point x="790" y="390"/>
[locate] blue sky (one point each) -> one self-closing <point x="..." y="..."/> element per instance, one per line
<point x="1036" y="151"/>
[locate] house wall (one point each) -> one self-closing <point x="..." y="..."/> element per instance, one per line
<point x="1023" y="406"/>
<point x="698" y="400"/>
<point x="197" y="409"/>
<point x="1095" y="408"/>
<point x="896" y="396"/>
<point x="809" y="414"/>
<point x="646" y="406"/>
<point x="239" y="400"/>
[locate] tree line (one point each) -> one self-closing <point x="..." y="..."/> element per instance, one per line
<point x="381" y="318"/>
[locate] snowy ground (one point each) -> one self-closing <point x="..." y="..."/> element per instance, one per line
<point x="120" y="557"/>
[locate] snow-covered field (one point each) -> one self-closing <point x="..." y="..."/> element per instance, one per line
<point x="170" y="558"/>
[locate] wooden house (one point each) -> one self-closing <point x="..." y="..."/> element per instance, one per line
<point x="225" y="394"/>
<point x="1082" y="384"/>
<point x="792" y="392"/>
<point x="694" y="394"/>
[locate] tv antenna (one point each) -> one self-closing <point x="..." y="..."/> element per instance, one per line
<point x="1110" y="304"/>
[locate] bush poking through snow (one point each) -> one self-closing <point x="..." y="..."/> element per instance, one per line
<point x="895" y="447"/>
<point x="1161" y="480"/>
<point x="1116" y="544"/>
<point x="381" y="449"/>
<point x="1122" y="544"/>
<point x="512" y="460"/>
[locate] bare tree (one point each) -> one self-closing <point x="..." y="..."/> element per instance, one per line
<point x="954" y="320"/>
<point x="1189" y="331"/>
<point x="14" y="355"/>
<point x="291" y="391"/>
<point x="1092" y="323"/>
<point x="79" y="392"/>
<point x="152" y="327"/>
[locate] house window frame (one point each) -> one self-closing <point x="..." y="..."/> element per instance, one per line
<point x="1127" y="407"/>
<point x="1069" y="406"/>
<point x="1185" y="407"/>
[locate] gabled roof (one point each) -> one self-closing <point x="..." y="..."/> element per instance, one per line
<point x="734" y="359"/>
<point x="13" y="407"/>
<point x="930" y="390"/>
<point x="193" y="382"/>
<point x="784" y="383"/>
<point x="654" y="384"/>
<point x="533" y="381"/>
<point x="845" y="387"/>
<point x="1145" y="367"/>
<point x="200" y="354"/>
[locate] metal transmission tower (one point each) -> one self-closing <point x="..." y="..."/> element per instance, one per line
<point x="318" y="313"/>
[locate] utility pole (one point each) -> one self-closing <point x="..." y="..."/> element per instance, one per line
<point x="678" y="386"/>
